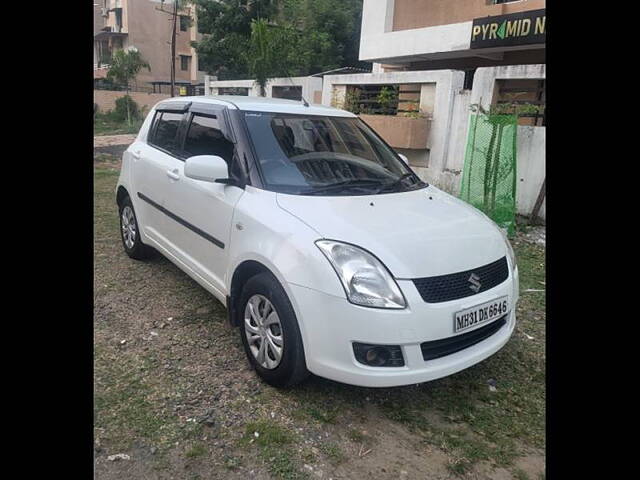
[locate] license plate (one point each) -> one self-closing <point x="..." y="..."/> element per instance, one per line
<point x="483" y="313"/>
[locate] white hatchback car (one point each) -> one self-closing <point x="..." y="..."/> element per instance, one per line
<point x="329" y="252"/>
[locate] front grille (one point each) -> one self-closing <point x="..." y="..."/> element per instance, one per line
<point x="447" y="346"/>
<point x="457" y="285"/>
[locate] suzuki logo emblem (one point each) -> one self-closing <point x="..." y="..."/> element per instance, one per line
<point x="474" y="280"/>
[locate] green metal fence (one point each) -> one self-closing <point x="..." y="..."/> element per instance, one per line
<point x="489" y="174"/>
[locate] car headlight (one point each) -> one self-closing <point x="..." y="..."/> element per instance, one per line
<point x="365" y="279"/>
<point x="512" y="254"/>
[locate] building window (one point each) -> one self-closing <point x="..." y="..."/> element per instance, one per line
<point x="391" y="99"/>
<point x="288" y="92"/>
<point x="185" y="62"/>
<point x="243" y="91"/>
<point x="184" y="23"/>
<point x="496" y="2"/>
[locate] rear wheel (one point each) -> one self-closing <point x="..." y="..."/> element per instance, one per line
<point x="130" y="233"/>
<point x="270" y="333"/>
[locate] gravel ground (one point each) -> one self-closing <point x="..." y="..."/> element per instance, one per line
<point x="112" y="145"/>
<point x="175" y="397"/>
<point x="110" y="140"/>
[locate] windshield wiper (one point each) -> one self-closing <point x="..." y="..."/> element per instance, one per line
<point x="397" y="182"/>
<point x="353" y="183"/>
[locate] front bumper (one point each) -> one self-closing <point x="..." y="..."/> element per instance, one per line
<point x="329" y="325"/>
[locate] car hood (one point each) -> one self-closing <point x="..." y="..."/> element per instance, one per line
<point x="416" y="234"/>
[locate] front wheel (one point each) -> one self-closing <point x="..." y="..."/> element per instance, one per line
<point x="270" y="333"/>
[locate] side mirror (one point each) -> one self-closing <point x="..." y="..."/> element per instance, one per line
<point x="208" y="168"/>
<point x="404" y="158"/>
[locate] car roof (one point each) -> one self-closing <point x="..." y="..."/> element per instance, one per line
<point x="264" y="104"/>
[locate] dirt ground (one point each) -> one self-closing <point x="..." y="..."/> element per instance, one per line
<point x="174" y="393"/>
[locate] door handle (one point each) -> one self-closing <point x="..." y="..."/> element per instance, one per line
<point x="173" y="174"/>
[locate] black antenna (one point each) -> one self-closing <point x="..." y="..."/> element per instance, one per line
<point x="304" y="102"/>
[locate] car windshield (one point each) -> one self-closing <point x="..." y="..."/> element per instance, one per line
<point x="324" y="155"/>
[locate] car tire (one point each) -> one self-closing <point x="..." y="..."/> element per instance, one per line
<point x="130" y="232"/>
<point x="291" y="367"/>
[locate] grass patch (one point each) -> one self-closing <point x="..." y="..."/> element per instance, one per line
<point x="520" y="474"/>
<point x="104" y="158"/>
<point x="321" y="414"/>
<point x="232" y="463"/>
<point x="333" y="453"/>
<point x="197" y="450"/>
<point x="465" y="447"/>
<point x="127" y="406"/>
<point x="121" y="403"/>
<point x="356" y="436"/>
<point x="275" y="445"/>
<point x="105" y="124"/>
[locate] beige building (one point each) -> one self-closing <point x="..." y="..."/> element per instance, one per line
<point x="453" y="34"/>
<point x="119" y="24"/>
<point x="441" y="57"/>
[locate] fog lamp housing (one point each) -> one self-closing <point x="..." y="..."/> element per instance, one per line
<point x="378" y="355"/>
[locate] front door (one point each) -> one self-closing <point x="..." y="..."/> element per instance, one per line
<point x="201" y="228"/>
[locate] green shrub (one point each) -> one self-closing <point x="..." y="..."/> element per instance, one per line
<point x="120" y="112"/>
<point x="387" y="98"/>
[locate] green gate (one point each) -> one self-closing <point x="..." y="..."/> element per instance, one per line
<point x="489" y="174"/>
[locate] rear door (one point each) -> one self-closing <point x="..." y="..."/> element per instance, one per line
<point x="155" y="169"/>
<point x="202" y="211"/>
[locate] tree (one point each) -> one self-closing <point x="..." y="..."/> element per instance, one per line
<point x="269" y="52"/>
<point x="322" y="35"/>
<point x="125" y="66"/>
<point x="330" y="32"/>
<point x="226" y="25"/>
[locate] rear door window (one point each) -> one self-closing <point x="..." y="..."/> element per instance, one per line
<point x="167" y="129"/>
<point x="204" y="137"/>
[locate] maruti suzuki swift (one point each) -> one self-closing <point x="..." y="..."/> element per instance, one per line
<point x="330" y="254"/>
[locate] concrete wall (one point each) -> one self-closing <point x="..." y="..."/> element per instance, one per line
<point x="106" y="99"/>
<point x="311" y="86"/>
<point x="531" y="149"/>
<point x="484" y="80"/>
<point x="531" y="168"/>
<point x="400" y="132"/>
<point x="448" y="178"/>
